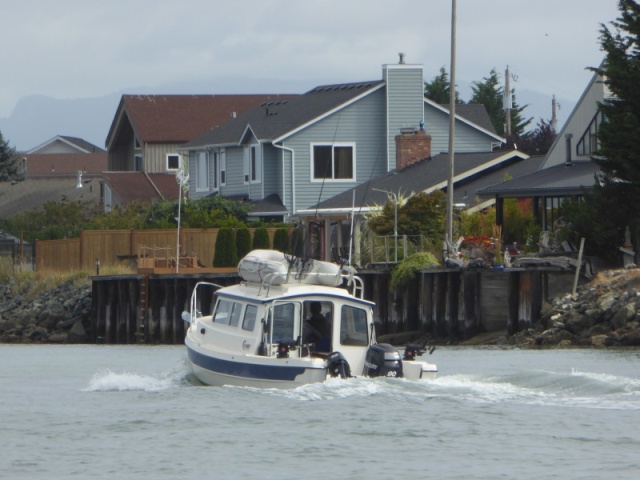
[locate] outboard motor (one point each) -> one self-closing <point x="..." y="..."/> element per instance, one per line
<point x="337" y="365"/>
<point x="382" y="360"/>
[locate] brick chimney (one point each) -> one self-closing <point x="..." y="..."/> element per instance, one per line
<point x="411" y="147"/>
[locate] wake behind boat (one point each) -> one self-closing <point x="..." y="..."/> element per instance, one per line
<point x="289" y="323"/>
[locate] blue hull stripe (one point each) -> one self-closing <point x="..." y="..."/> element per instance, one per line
<point x="245" y="370"/>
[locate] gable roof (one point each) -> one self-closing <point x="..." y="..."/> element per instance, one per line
<point x="474" y="115"/>
<point x="74" y="143"/>
<point x="179" y="118"/>
<point x="33" y="193"/>
<point x="559" y="180"/>
<point x="65" y="164"/>
<point x="276" y="119"/>
<point x="470" y="169"/>
<point x="140" y="186"/>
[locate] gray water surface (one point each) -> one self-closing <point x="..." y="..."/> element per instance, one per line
<point x="134" y="412"/>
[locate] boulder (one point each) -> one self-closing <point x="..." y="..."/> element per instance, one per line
<point x="623" y="315"/>
<point x="77" y="334"/>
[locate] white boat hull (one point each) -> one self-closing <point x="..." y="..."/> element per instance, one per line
<point x="219" y="369"/>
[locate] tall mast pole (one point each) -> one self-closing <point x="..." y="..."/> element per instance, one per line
<point x="452" y="127"/>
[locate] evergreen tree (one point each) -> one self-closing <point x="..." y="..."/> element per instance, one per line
<point x="8" y="162"/>
<point x="538" y="141"/>
<point x="438" y="89"/>
<point x="261" y="239"/>
<point x="614" y="202"/>
<point x="619" y="133"/>
<point x="225" y="254"/>
<point x="490" y="93"/>
<point x="243" y="241"/>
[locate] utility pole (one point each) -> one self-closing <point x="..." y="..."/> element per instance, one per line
<point x="506" y="102"/>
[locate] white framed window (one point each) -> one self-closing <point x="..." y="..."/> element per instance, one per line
<point x="173" y="162"/>
<point x="333" y="161"/>
<point x="252" y="164"/>
<point x="136" y="143"/>
<point x="223" y="167"/>
<point x="214" y="168"/>
<point x="202" y="171"/>
<point x="137" y="163"/>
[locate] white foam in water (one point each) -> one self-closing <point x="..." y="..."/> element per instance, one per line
<point x="109" y="381"/>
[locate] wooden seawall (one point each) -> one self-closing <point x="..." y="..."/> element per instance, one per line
<point x="451" y="304"/>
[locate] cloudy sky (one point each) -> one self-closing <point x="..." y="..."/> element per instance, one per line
<point x="87" y="48"/>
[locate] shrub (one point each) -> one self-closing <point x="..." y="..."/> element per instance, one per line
<point x="281" y="240"/>
<point x="261" y="239"/>
<point x="406" y="271"/>
<point x="226" y="254"/>
<point x="243" y="241"/>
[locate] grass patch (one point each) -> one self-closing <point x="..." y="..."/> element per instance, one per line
<point x="31" y="284"/>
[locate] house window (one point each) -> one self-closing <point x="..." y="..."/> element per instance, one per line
<point x="223" y="167"/>
<point x="588" y="143"/>
<point x="214" y="167"/>
<point x="202" y="171"/>
<point x="137" y="163"/>
<point x="136" y="143"/>
<point x="333" y="162"/>
<point x="173" y="162"/>
<point x="252" y="164"/>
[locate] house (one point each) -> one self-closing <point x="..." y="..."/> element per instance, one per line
<point x="302" y="151"/>
<point x="148" y="129"/>
<point x="567" y="169"/>
<point x="62" y="168"/>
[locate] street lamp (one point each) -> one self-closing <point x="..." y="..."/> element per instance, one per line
<point x="395" y="218"/>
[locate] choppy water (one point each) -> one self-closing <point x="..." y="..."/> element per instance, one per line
<point x="134" y="412"/>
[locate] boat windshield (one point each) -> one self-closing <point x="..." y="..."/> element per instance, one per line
<point x="354" y="328"/>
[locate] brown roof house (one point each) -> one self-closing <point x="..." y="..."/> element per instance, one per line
<point x="146" y="132"/>
<point x="62" y="168"/>
<point x="148" y="129"/>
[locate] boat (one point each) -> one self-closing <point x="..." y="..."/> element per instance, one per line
<point x="259" y="333"/>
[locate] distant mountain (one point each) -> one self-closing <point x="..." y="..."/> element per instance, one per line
<point x="38" y="118"/>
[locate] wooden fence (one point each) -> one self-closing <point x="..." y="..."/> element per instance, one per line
<point x="123" y="247"/>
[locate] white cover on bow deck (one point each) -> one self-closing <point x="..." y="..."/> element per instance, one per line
<point x="272" y="267"/>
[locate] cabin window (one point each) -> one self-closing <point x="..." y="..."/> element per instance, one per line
<point x="222" y="312"/>
<point x="354" y="329"/>
<point x="137" y="163"/>
<point x="283" y="322"/>
<point x="333" y="162"/>
<point x="234" y="318"/>
<point x="249" y="321"/>
<point x="227" y="313"/>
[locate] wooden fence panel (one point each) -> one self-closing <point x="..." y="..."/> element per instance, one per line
<point x="122" y="247"/>
<point x="58" y="254"/>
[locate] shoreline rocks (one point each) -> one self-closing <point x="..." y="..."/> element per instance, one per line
<point x="60" y="315"/>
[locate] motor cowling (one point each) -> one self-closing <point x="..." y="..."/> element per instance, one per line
<point x="337" y="365"/>
<point x="382" y="360"/>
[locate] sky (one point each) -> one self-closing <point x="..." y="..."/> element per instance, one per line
<point x="76" y="49"/>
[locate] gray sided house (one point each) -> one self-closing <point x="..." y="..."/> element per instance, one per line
<point x="567" y="170"/>
<point x="290" y="155"/>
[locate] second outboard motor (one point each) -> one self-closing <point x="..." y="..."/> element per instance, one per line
<point x="382" y="360"/>
<point x="337" y="365"/>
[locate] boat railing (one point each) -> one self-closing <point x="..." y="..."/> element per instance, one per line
<point x="194" y="313"/>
